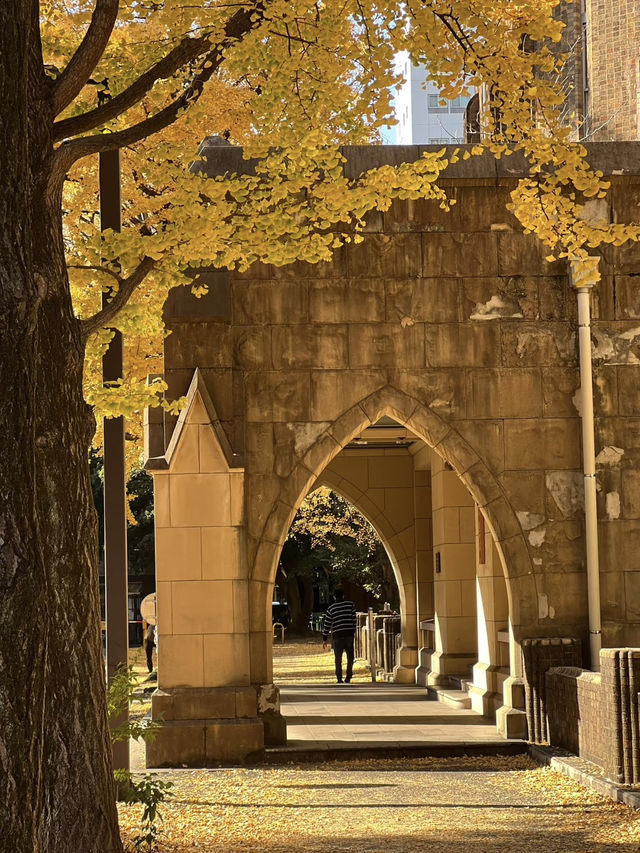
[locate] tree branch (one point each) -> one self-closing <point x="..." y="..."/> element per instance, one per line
<point x="236" y="28"/>
<point x="188" y="50"/>
<point x="127" y="287"/>
<point x="84" y="60"/>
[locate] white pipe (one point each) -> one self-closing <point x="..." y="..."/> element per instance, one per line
<point x="589" y="467"/>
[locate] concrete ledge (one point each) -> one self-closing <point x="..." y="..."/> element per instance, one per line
<point x="206" y="743"/>
<point x="586" y="774"/>
<point x="348" y="751"/>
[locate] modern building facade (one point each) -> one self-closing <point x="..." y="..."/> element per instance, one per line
<point x="423" y="117"/>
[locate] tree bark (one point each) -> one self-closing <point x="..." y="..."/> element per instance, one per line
<point x="56" y="784"/>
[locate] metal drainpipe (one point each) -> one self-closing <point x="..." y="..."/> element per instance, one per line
<point x="583" y="293"/>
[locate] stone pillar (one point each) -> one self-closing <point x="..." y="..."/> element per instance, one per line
<point x="205" y="705"/>
<point x="454" y="579"/>
<point x="492" y="666"/>
<point x="424" y="559"/>
<point x="511" y="718"/>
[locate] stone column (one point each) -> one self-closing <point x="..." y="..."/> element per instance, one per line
<point x="424" y="559"/>
<point x="511" y="718"/>
<point x="205" y="705"/>
<point x="454" y="579"/>
<point x="492" y="666"/>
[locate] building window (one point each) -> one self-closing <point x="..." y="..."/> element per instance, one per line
<point x="435" y="106"/>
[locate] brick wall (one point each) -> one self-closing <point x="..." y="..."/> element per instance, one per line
<point x="613" y="50"/>
<point x="596" y="715"/>
<point x="576" y="713"/>
<point x="539" y="655"/>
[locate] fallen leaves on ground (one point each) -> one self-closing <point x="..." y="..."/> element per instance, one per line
<point x="475" y="805"/>
<point x="305" y="662"/>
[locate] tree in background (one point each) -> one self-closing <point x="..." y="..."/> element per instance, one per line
<point x="330" y="543"/>
<point x="289" y="81"/>
<point x="140" y="530"/>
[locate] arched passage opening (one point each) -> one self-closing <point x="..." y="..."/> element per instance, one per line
<point x="332" y="546"/>
<point x="458" y="534"/>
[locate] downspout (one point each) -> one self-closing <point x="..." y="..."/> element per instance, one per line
<point x="583" y="274"/>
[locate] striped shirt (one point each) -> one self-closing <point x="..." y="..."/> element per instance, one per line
<point x="340" y="619"/>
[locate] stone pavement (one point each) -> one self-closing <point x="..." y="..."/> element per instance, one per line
<point x="375" y="716"/>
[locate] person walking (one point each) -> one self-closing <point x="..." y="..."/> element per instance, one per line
<point x="149" y="645"/>
<point x="340" y="621"/>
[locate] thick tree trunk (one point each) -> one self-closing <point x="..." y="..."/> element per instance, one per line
<point x="56" y="784"/>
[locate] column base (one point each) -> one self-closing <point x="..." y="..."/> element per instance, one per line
<point x="511" y="718"/>
<point x="424" y="666"/>
<point x="275" y="725"/>
<point x="446" y="663"/>
<point x="511" y="723"/>
<point x="205" y="727"/>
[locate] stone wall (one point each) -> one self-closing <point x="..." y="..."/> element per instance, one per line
<point x="455" y="319"/>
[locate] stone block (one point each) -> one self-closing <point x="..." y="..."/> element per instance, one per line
<point x="260" y="643"/>
<point x="354" y="300"/>
<point x="221" y="553"/>
<point x="525" y="490"/>
<point x="486" y="437"/>
<point x="388" y="345"/>
<point x="164" y="606"/>
<point x="203" y="345"/>
<point x="504" y="393"/>
<point x="194" y="704"/>
<point x="460" y="254"/>
<point x="425" y="300"/>
<point x="531" y="344"/>
<point x="234" y="741"/>
<point x="200" y="500"/>
<point x="252" y="347"/>
<point x="277" y="396"/>
<point x="446" y="526"/>
<point x="334" y="392"/>
<point x="259" y="448"/>
<point x="177" y="744"/>
<point x="499" y="297"/>
<point x="178" y="553"/>
<point x="442" y="390"/>
<point x="559" y="390"/>
<point x="309" y="346"/>
<point x="462" y="345"/>
<point x="385" y="256"/>
<point x="202" y="607"/>
<point x="630" y="493"/>
<point x="457" y="561"/>
<point x="263" y="302"/>
<point x="628" y="390"/>
<point x="161" y="501"/>
<point x="180" y="662"/>
<point x="548" y="443"/>
<point x="519" y="252"/>
<point x="226" y="659"/>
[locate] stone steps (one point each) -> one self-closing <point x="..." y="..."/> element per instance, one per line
<point x="455" y="693"/>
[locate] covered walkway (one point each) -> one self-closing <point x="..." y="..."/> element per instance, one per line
<point x="382" y="717"/>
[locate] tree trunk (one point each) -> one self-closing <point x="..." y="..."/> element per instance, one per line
<point x="56" y="784"/>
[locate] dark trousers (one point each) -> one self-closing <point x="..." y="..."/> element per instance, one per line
<point x="340" y="645"/>
<point x="149" y="647"/>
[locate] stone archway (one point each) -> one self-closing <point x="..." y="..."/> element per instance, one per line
<point x="438" y="434"/>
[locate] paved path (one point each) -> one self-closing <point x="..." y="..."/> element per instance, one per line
<point x="367" y="715"/>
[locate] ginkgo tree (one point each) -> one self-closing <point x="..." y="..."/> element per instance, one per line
<point x="289" y="81"/>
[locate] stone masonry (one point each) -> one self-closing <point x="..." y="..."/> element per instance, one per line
<point x="454" y="325"/>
